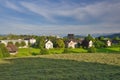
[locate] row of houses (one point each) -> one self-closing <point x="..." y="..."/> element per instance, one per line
<point x="71" y="42"/>
<point x="12" y="48"/>
<point x="48" y="45"/>
<point x="14" y="42"/>
<point x="74" y="44"/>
<point x="27" y="41"/>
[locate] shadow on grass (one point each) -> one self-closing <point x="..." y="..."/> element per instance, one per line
<point x="56" y="69"/>
<point x="105" y="50"/>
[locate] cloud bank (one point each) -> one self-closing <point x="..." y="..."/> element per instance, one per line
<point x="60" y="16"/>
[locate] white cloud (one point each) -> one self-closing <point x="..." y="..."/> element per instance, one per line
<point x="107" y="12"/>
<point x="37" y="9"/>
<point x="11" y="5"/>
<point x="17" y="27"/>
<point x="96" y="10"/>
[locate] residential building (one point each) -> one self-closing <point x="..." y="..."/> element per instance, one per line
<point x="90" y="43"/>
<point x="14" y="41"/>
<point x="12" y="49"/>
<point x="72" y="44"/>
<point x="109" y="43"/>
<point x="32" y="41"/>
<point x="48" y="45"/>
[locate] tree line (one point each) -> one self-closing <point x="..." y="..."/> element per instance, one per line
<point x="59" y="43"/>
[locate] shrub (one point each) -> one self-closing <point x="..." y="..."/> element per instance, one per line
<point x="23" y="44"/>
<point x="27" y="52"/>
<point x="92" y="50"/>
<point x="9" y="43"/>
<point x="1" y="55"/>
<point x="52" y="51"/>
<point x="99" y="44"/>
<point x="59" y="43"/>
<point x="34" y="54"/>
<point x="56" y="50"/>
<point x="45" y="51"/>
<point x="17" y="44"/>
<point x="69" y="50"/>
<point x="75" y="50"/>
<point x="3" y="51"/>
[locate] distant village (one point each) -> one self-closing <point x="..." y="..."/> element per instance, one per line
<point x="50" y="42"/>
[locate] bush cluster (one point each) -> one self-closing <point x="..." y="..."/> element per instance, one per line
<point x="3" y="51"/>
<point x="92" y="50"/>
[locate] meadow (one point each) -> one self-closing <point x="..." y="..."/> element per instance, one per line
<point x="109" y="50"/>
<point x="27" y="52"/>
<point x="34" y="51"/>
<point x="88" y="66"/>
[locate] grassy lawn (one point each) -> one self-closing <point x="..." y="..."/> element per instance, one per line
<point x="75" y="50"/>
<point x="33" y="51"/>
<point x="27" y="52"/>
<point x="109" y="50"/>
<point x="55" y="51"/>
<point x="62" y="67"/>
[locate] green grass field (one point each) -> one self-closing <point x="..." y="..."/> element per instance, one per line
<point x="75" y="50"/>
<point x="33" y="51"/>
<point x="109" y="50"/>
<point x="86" y="66"/>
<point x="27" y="52"/>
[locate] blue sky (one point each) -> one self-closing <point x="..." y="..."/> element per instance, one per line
<point x="54" y="17"/>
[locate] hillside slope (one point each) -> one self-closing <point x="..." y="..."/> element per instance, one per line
<point x="62" y="67"/>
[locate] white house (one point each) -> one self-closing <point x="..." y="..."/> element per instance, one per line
<point x="108" y="43"/>
<point x="72" y="44"/>
<point x="48" y="45"/>
<point x="32" y="41"/>
<point x="14" y="41"/>
<point x="90" y="44"/>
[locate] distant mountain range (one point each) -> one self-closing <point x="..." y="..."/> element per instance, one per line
<point x="107" y="35"/>
<point x="112" y="35"/>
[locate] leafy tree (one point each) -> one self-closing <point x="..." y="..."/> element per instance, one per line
<point x="17" y="44"/>
<point x="12" y="36"/>
<point x="37" y="42"/>
<point x="101" y="38"/>
<point x="9" y="43"/>
<point x="23" y="43"/>
<point x="52" y="38"/>
<point x="89" y="37"/>
<point x="99" y="44"/>
<point x="3" y="51"/>
<point x="2" y="45"/>
<point x="84" y="43"/>
<point x="116" y="38"/>
<point x="42" y="42"/>
<point x="59" y="43"/>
